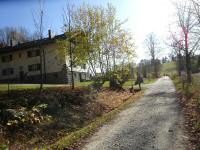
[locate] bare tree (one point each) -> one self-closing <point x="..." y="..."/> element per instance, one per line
<point x="16" y="35"/>
<point x="188" y="26"/>
<point x="38" y="19"/>
<point x="177" y="49"/>
<point x="152" y="44"/>
<point x="196" y="9"/>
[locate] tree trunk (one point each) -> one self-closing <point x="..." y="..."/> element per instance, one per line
<point x="179" y="64"/>
<point x="155" y="68"/>
<point x="44" y="65"/>
<point x="41" y="72"/>
<point x="188" y="68"/>
<point x="71" y="66"/>
<point x="8" y="86"/>
<point x="187" y="59"/>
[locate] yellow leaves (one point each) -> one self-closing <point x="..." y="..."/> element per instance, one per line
<point x="97" y="34"/>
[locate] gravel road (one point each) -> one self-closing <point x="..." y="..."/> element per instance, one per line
<point x="152" y="123"/>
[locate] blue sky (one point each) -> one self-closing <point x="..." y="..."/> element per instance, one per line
<point x="144" y="16"/>
<point x="19" y="12"/>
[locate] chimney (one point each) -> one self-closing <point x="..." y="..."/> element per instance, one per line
<point x="49" y="31"/>
<point x="11" y="42"/>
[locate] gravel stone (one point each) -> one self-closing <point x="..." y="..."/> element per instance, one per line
<point x="154" y="122"/>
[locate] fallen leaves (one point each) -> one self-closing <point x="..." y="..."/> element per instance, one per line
<point x="70" y="110"/>
<point x="190" y="107"/>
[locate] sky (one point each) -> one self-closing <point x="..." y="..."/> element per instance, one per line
<point x="144" y="17"/>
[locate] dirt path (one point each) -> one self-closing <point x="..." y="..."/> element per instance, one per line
<point x="152" y="123"/>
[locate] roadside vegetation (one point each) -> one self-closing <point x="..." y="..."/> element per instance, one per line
<point x="189" y="95"/>
<point x="33" y="119"/>
<point x="169" y="68"/>
<point x="13" y="87"/>
<point x="190" y="102"/>
<point x="185" y="54"/>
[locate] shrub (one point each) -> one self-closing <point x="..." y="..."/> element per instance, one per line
<point x="98" y="82"/>
<point x="19" y="117"/>
<point x="118" y="77"/>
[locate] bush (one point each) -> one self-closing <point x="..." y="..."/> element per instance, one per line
<point x="173" y="76"/>
<point x="14" y="118"/>
<point x="98" y="82"/>
<point x="118" y="77"/>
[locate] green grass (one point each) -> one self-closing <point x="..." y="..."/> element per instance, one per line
<point x="196" y="79"/>
<point x="4" y="87"/>
<point x="106" y="84"/>
<point x="190" y="90"/>
<point x="168" y="68"/>
<point x="83" y="84"/>
<point x="194" y="85"/>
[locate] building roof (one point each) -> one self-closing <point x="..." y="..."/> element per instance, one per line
<point x="30" y="44"/>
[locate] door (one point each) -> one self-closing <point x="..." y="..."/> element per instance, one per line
<point x="21" y="76"/>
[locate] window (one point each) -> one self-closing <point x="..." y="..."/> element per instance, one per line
<point x="21" y="68"/>
<point x="7" y="58"/>
<point x="7" y="71"/>
<point x="33" y="53"/>
<point x="34" y="67"/>
<point x="83" y="66"/>
<point x="56" y="75"/>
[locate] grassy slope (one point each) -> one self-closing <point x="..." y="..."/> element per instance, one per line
<point x="168" y="68"/>
<point x="190" y="101"/>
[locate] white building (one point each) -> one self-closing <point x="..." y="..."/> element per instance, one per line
<point x="21" y="63"/>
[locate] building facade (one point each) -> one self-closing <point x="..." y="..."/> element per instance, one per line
<point x="36" y="61"/>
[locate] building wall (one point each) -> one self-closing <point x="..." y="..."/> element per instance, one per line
<point x="56" y="67"/>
